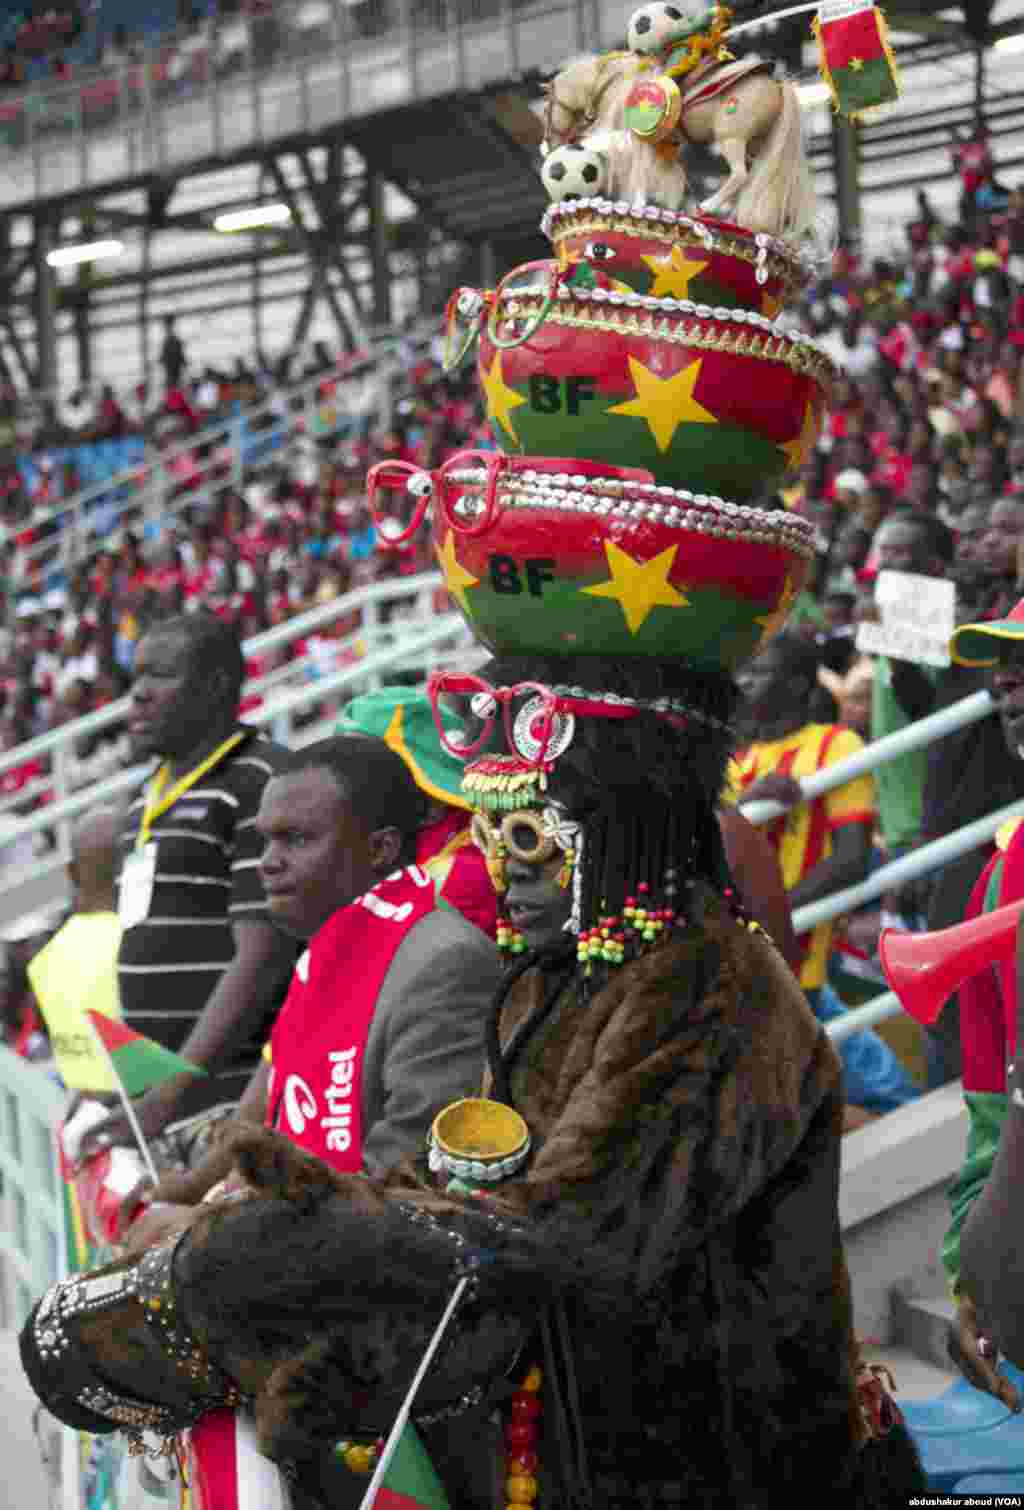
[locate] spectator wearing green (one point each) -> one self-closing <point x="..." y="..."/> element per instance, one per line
<point x="903" y="692"/>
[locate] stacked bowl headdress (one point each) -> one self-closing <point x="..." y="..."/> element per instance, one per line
<point x="644" y="393"/>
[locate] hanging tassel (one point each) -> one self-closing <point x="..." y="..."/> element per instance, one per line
<point x="855" y="56"/>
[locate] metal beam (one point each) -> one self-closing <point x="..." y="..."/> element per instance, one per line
<point x="928" y="26"/>
<point x="47" y="233"/>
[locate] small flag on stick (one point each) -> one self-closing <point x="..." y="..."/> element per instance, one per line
<point x="137" y="1063"/>
<point x="856" y="56"/>
<point x="411" y="1481"/>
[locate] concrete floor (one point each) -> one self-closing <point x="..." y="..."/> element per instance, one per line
<point x="23" y="1481"/>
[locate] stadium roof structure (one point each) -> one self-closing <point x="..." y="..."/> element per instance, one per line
<point x="401" y="138"/>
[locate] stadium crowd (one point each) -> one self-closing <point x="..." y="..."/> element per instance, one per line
<point x="920" y="467"/>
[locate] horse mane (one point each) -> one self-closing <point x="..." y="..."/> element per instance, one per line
<point x="779" y="195"/>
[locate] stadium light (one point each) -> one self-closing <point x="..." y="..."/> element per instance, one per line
<point x="810" y="95"/>
<point x="86" y="251"/>
<point x="1011" y="44"/>
<point x="253" y="219"/>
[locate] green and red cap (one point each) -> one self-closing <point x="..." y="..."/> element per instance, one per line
<point x="987" y="643"/>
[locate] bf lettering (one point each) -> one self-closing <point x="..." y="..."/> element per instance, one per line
<point x="550" y="395"/>
<point x="513" y="577"/>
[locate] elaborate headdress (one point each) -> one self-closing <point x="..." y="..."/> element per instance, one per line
<point x="618" y="564"/>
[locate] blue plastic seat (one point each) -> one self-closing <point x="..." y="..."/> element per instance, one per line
<point x="992" y="1483"/>
<point x="947" y="1460"/>
<point x="960" y="1409"/>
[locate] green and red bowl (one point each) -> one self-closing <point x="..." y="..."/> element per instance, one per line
<point x="556" y="555"/>
<point x="686" y="256"/>
<point x="713" y="399"/>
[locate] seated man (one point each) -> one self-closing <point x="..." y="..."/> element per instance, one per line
<point x="384" y="1021"/>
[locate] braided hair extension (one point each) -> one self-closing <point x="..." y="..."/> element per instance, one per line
<point x="645" y="789"/>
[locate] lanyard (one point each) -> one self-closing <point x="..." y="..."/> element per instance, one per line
<point x="157" y="804"/>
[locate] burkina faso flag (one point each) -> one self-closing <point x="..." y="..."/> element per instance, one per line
<point x="410" y="1482"/>
<point x="137" y="1061"/>
<point x="855" y="55"/>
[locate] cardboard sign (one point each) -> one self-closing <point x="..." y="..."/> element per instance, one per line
<point x="918" y="616"/>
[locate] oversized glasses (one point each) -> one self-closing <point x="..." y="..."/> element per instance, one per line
<point x="539" y="732"/>
<point x="523" y="835"/>
<point x="425" y="485"/>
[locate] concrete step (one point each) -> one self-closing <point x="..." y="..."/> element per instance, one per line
<point x="920" y="1325"/>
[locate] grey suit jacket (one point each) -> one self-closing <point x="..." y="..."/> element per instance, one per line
<point x="425" y="1046"/>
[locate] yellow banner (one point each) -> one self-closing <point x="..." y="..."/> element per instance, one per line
<point x="76" y="970"/>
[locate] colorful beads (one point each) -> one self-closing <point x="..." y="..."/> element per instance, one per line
<point x="521" y="1434"/>
<point x="357" y="1457"/>
<point x="509" y="939"/>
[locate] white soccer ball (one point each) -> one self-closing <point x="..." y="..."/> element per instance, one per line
<point x="655" y="27"/>
<point x="573" y="171"/>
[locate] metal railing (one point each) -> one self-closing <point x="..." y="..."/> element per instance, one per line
<point x="32" y="1249"/>
<point x="402" y="643"/>
<point x="922" y="861"/>
<point x="196" y="103"/>
<point x="152" y="490"/>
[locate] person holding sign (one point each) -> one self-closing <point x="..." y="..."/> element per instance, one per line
<point x="903" y="691"/>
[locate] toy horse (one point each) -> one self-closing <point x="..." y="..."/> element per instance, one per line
<point x="628" y="112"/>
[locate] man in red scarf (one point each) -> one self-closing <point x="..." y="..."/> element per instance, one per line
<point x="383" y="1023"/>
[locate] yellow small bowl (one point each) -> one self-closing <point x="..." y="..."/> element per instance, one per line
<point x="479" y="1129"/>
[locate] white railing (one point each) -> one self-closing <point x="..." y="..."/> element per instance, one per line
<point x="151" y="484"/>
<point x="412" y="640"/>
<point x="920" y="862"/>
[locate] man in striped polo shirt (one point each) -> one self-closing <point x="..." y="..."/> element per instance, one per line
<point x="201" y="966"/>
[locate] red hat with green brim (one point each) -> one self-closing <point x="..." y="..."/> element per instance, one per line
<point x="988" y="644"/>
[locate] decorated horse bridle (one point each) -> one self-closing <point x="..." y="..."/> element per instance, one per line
<point x="67" y="1383"/>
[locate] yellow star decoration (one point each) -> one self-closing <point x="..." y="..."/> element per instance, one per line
<point x="639" y="586"/>
<point x="770" y="622"/>
<point x="856" y="64"/>
<point x="665" y="403"/>
<point x="770" y="306"/>
<point x="673" y="274"/>
<point x="800" y="446"/>
<point x="501" y="399"/>
<point x="456" y="577"/>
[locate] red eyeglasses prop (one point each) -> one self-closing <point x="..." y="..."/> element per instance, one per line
<point x="442" y="485"/>
<point x="398" y="474"/>
<point x="542" y="729"/>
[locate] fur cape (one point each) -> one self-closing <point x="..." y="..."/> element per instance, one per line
<point x="681" y="1208"/>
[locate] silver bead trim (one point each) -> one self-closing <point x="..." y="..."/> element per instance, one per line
<point x="644" y="501"/>
<point x="651" y="305"/>
<point x="642" y="212"/>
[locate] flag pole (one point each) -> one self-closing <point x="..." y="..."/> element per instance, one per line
<point x="775" y="15"/>
<point x="126" y="1105"/>
<point x="402" y="1419"/>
